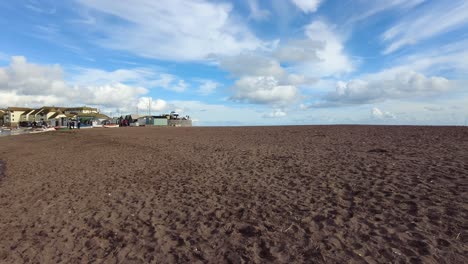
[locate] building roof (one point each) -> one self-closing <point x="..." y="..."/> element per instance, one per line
<point x="27" y="112"/>
<point x="56" y="114"/>
<point x="81" y="108"/>
<point x="97" y="115"/>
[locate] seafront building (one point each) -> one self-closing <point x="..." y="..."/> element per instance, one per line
<point x="50" y="115"/>
<point x="88" y="116"/>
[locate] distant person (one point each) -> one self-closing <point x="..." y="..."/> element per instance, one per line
<point x="79" y="124"/>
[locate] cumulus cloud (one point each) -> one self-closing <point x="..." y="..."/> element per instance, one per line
<point x="181" y="29"/>
<point x="401" y="85"/>
<point x="264" y="90"/>
<point x="149" y="103"/>
<point x="416" y="28"/>
<point x="262" y="80"/>
<point x="112" y="95"/>
<point x="332" y="60"/>
<point x="319" y="55"/>
<point x="307" y="6"/>
<point x="27" y="84"/>
<point x="29" y="79"/>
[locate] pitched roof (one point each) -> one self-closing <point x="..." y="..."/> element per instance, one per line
<point x="27" y="112"/>
<point x="56" y="114"/>
<point x="81" y="108"/>
<point x="97" y="115"/>
<point x="18" y="108"/>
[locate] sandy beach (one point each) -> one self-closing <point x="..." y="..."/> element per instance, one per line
<point x="299" y="194"/>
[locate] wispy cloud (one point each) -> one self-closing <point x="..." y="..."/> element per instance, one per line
<point x="371" y="8"/>
<point x="183" y="30"/>
<point x="42" y="8"/>
<point x="431" y="21"/>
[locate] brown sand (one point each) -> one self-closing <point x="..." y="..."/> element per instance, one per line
<point x="331" y="194"/>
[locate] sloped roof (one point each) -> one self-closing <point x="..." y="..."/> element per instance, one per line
<point x="27" y="112"/>
<point x="57" y="114"/>
<point x="19" y="109"/>
<point x="81" y="108"/>
<point x="97" y="115"/>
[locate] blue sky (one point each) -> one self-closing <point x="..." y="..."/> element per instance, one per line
<point x="245" y="62"/>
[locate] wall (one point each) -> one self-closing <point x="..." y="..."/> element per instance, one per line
<point x="183" y="123"/>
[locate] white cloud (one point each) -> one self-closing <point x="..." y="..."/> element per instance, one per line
<point x="144" y="77"/>
<point x="252" y="64"/>
<point x="332" y="58"/>
<point x="277" y="113"/>
<point x="207" y="87"/>
<point x="30" y="79"/>
<point x="262" y="80"/>
<point x="300" y="51"/>
<point x="173" y="29"/>
<point x="264" y="90"/>
<point x="92" y="76"/>
<point x="27" y="84"/>
<point x="451" y="57"/>
<point x="256" y="13"/>
<point x="177" y="86"/>
<point x="434" y="20"/>
<point x="307" y="6"/>
<point x="156" y="105"/>
<point x="398" y="85"/>
<point x="376" y="113"/>
<point x="111" y="95"/>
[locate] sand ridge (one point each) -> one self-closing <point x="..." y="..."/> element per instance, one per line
<point x="306" y="194"/>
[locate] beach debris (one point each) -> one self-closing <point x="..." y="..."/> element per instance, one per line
<point x="287" y="229"/>
<point x="396" y="252"/>
<point x="458" y="236"/>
